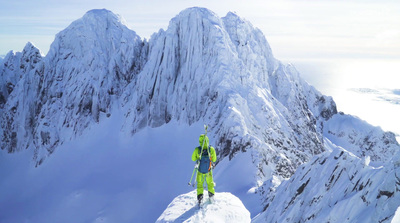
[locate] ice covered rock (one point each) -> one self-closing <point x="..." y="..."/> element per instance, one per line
<point x="225" y="208"/>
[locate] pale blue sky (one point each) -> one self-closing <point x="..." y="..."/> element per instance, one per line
<point x="294" y="28"/>
<point x="336" y="45"/>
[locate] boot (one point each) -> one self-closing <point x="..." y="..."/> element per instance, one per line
<point x="210" y="195"/>
<point x="199" y="198"/>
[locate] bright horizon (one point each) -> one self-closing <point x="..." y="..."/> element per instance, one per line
<point x="336" y="45"/>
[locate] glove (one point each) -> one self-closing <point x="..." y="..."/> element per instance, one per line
<point x="196" y="166"/>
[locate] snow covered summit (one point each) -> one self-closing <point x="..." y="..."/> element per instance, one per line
<point x="225" y="208"/>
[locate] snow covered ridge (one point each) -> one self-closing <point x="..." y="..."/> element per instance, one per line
<point x="225" y="208"/>
<point x="337" y="187"/>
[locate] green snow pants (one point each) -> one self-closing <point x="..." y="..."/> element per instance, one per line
<point x="200" y="182"/>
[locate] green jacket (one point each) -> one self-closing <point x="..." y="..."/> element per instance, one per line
<point x="196" y="152"/>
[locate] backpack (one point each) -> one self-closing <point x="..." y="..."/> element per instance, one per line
<point x="205" y="161"/>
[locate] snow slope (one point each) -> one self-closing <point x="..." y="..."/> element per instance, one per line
<point x="225" y="208"/>
<point x="101" y="177"/>
<point x="337" y="186"/>
<point x="360" y="138"/>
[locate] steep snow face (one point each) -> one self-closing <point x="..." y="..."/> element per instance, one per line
<point x="88" y="65"/>
<point x="225" y="208"/>
<point x="9" y="75"/>
<point x="337" y="187"/>
<point x="100" y="55"/>
<point x="251" y="46"/>
<point x="19" y="81"/>
<point x="184" y="67"/>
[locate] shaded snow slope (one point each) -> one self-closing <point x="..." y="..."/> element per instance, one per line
<point x="101" y="177"/>
<point x="225" y="208"/>
<point x="106" y="177"/>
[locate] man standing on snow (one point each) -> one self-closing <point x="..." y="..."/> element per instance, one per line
<point x="205" y="155"/>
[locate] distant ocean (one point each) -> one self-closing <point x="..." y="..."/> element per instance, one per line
<point x="367" y="88"/>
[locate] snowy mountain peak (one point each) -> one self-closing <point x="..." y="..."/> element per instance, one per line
<point x="30" y="57"/>
<point x="98" y="16"/>
<point x="89" y="62"/>
<point x="195" y="24"/>
<point x="30" y="47"/>
<point x="97" y="32"/>
<point x="233" y="15"/>
<point x="235" y="21"/>
<point x="14" y="67"/>
<point x="197" y="13"/>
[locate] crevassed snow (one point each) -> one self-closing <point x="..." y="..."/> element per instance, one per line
<point x="225" y="208"/>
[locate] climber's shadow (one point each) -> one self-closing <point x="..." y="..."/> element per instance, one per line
<point x="189" y="213"/>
